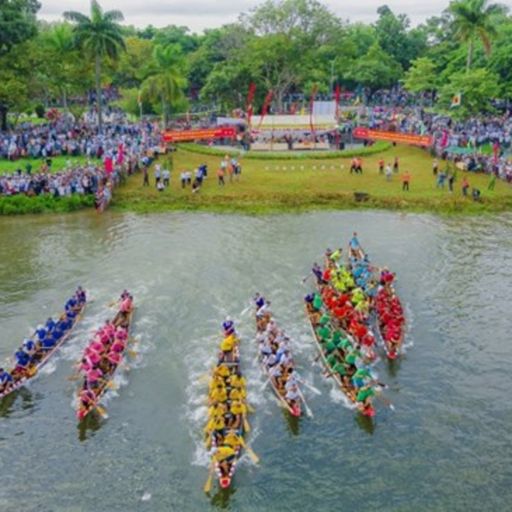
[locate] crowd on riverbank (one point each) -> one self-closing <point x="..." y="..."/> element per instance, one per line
<point x="118" y="150"/>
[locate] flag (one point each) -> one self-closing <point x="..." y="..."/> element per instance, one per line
<point x="312" y="107"/>
<point x="266" y="106"/>
<point x="250" y="99"/>
<point x="456" y="100"/>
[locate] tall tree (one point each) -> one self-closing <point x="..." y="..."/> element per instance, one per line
<point x="166" y="78"/>
<point x="17" y="25"/>
<point x="100" y="36"/>
<point x="17" y="22"/>
<point x="475" y="19"/>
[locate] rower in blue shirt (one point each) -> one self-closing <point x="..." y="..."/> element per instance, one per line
<point x="49" y="342"/>
<point x="50" y="324"/>
<point x="70" y="304"/>
<point x="5" y="380"/>
<point x="22" y="359"/>
<point x="40" y="332"/>
<point x="29" y="347"/>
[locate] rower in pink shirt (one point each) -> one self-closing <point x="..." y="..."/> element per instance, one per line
<point x="118" y="346"/>
<point x="115" y="359"/>
<point x="93" y="377"/>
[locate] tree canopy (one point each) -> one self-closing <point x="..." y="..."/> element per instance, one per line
<point x="289" y="47"/>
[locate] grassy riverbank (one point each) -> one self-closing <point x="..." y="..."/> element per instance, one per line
<point x="58" y="163"/>
<point x="281" y="186"/>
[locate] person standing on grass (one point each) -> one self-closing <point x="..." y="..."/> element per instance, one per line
<point x="166" y="176"/>
<point x="145" y="172"/>
<point x="396" y="165"/>
<point x="440" y="179"/>
<point x="381" y="166"/>
<point x="465" y="186"/>
<point x="183" y="177"/>
<point x="158" y="174"/>
<point x="435" y="167"/>
<point x="451" y="181"/>
<point x="389" y="172"/>
<point x="220" y="176"/>
<point x="406" y="180"/>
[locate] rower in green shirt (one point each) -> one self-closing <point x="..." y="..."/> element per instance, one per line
<point x="317" y="302"/>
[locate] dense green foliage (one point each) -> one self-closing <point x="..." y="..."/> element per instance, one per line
<point x="287" y="46"/>
<point x="17" y="205"/>
<point x="378" y="147"/>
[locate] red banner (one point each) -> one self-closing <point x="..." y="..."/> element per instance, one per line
<point x="190" y="135"/>
<point x="250" y="99"/>
<point x="266" y="106"/>
<point x="402" y="138"/>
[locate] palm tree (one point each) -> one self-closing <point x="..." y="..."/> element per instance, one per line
<point x="59" y="42"/>
<point x="99" y="36"/>
<point x="474" y="19"/>
<point x="166" y="79"/>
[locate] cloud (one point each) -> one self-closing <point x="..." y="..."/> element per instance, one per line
<point x="201" y="14"/>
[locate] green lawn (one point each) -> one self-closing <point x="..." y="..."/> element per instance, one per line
<point x="273" y="186"/>
<point x="58" y="163"/>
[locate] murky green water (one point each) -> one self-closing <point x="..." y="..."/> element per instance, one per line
<point x="446" y="447"/>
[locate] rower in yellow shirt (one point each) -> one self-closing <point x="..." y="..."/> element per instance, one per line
<point x="233" y="439"/>
<point x="224" y="456"/>
<point x="219" y="394"/>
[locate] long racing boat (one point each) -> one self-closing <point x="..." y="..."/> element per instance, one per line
<point x="334" y="364"/>
<point x="227" y="411"/>
<point x="103" y="356"/>
<point x="50" y="338"/>
<point x="276" y="361"/>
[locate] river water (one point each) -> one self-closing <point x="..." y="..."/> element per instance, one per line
<point x="447" y="446"/>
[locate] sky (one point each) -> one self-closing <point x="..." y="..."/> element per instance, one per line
<point x="201" y="14"/>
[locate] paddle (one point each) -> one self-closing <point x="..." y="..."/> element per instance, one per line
<point x="250" y="452"/>
<point x="267" y="382"/>
<point x="247" y="426"/>
<point x="385" y="401"/>
<point x="132" y="353"/>
<point x="251" y="409"/>
<point x="208" y="484"/>
<point x="307" y="277"/>
<point x="306" y="406"/>
<point x="310" y="386"/>
<point x="102" y="411"/>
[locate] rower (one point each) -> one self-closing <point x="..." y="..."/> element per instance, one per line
<point x="41" y="332"/>
<point x="238" y="410"/>
<point x="226" y="349"/>
<point x="87" y="397"/>
<point x="224" y="456"/>
<point x="70" y="304"/>
<point x="228" y="326"/>
<point x="292" y="395"/>
<point x="6" y="380"/>
<point x="23" y="361"/>
<point x="219" y="394"/>
<point x="355" y="247"/>
<point x="81" y="295"/>
<point x="50" y="324"/>
<point x="93" y="378"/>
<point x="233" y="440"/>
<point x="29" y="347"/>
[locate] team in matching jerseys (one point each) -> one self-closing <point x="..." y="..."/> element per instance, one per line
<point x="275" y="356"/>
<point x="340" y="314"/>
<point x="103" y="356"/>
<point x="35" y="350"/>
<point x="227" y="407"/>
